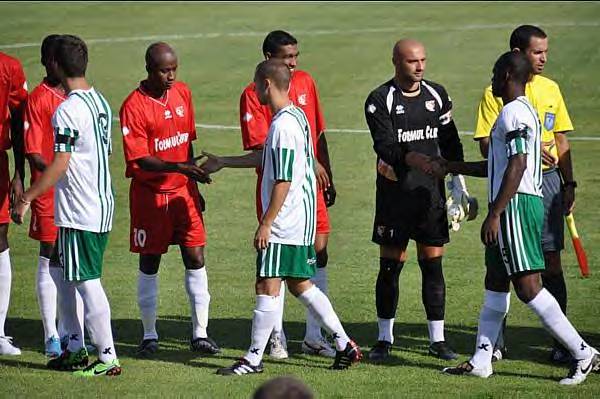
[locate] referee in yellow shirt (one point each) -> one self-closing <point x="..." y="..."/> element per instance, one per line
<point x="558" y="183"/>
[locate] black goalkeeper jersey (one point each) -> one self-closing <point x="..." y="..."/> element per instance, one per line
<point x="400" y="124"/>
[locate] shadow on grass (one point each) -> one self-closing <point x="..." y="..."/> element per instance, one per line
<point x="525" y="343"/>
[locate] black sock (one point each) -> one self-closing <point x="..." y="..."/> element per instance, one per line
<point x="387" y="288"/>
<point x="433" y="289"/>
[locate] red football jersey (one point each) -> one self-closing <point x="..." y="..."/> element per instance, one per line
<point x="163" y="128"/>
<point x="39" y="136"/>
<point x="255" y="118"/>
<point x="13" y="94"/>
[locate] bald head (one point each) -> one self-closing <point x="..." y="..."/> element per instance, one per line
<point x="408" y="57"/>
<point x="157" y="53"/>
<point x="161" y="65"/>
<point x="407" y="48"/>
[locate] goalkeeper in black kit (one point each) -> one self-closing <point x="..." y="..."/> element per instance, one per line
<point x="410" y="120"/>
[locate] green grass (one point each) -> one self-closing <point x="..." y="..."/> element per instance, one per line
<point x="463" y="41"/>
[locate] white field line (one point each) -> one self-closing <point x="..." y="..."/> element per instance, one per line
<point x="317" y="32"/>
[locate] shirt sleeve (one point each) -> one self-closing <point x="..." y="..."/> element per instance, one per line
<point x="191" y="114"/>
<point x="516" y="137"/>
<point x="385" y="140"/>
<point x="253" y="121"/>
<point x="487" y="113"/>
<point x="66" y="131"/>
<point x="563" y="121"/>
<point x="282" y="154"/>
<point x="33" y="127"/>
<point x="18" y="87"/>
<point x="320" y="119"/>
<point x="450" y="146"/>
<point x="135" y="135"/>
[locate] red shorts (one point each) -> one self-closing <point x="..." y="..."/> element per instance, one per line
<point x="4" y="188"/>
<point x="161" y="219"/>
<point x="41" y="226"/>
<point x="323" y="225"/>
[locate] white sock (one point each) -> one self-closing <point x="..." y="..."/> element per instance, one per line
<point x="555" y="321"/>
<point x="313" y="328"/>
<point x="46" y="294"/>
<point x="57" y="277"/>
<point x="68" y="301"/>
<point x="196" y="285"/>
<point x="319" y="304"/>
<point x="5" y="280"/>
<point x="495" y="308"/>
<point x="386" y="330"/>
<point x="436" y="330"/>
<point x="278" y="328"/>
<point x="265" y="314"/>
<point x="147" y="293"/>
<point x="97" y="318"/>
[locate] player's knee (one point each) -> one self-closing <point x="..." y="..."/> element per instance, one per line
<point x="322" y="258"/>
<point x="527" y="292"/>
<point x="149" y="264"/>
<point x="553" y="264"/>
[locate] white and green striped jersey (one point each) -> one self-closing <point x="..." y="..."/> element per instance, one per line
<point x="288" y="156"/>
<point x="83" y="197"/>
<point x="517" y="131"/>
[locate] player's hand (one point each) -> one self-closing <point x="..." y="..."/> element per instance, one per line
<point x="209" y="163"/>
<point x="322" y="177"/>
<point x="21" y="206"/>
<point x="330" y="195"/>
<point x="16" y="190"/>
<point x="261" y="238"/>
<point x="547" y="158"/>
<point x="419" y="161"/>
<point x="194" y="172"/>
<point x="439" y="167"/>
<point x="568" y="199"/>
<point x="489" y="229"/>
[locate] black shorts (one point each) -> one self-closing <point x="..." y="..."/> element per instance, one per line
<point x="417" y="214"/>
<point x="553" y="233"/>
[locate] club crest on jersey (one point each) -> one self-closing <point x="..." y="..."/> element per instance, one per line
<point x="168" y="114"/>
<point x="399" y="109"/>
<point x="430" y="105"/>
<point x="302" y="99"/>
<point x="371" y="108"/>
<point x="179" y="111"/>
<point x="247" y="117"/>
<point x="549" y="118"/>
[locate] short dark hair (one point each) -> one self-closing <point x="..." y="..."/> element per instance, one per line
<point x="521" y="37"/>
<point x="516" y="64"/>
<point x="275" y="70"/>
<point x="275" y="40"/>
<point x="283" y="388"/>
<point x="49" y="45"/>
<point x="71" y="56"/>
<point x="152" y="53"/>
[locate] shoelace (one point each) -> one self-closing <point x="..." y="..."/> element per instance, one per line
<point x="91" y="366"/>
<point x="7" y="339"/>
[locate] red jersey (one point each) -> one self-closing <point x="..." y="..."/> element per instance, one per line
<point x="163" y="128"/>
<point x="256" y="118"/>
<point x="13" y="94"/>
<point x="39" y="133"/>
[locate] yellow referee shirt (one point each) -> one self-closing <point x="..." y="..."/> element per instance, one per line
<point x="544" y="94"/>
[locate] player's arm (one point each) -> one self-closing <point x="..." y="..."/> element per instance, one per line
<point x="449" y="142"/>
<point x="17" y="102"/>
<point x="325" y="163"/>
<point x="487" y="112"/>
<point x="154" y="164"/>
<point x="475" y="169"/>
<point x="280" y="191"/>
<point x="517" y="152"/>
<point x="211" y="163"/>
<point x="385" y="141"/>
<point x="562" y="127"/>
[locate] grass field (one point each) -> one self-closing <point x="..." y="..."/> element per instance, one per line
<point x="347" y="48"/>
